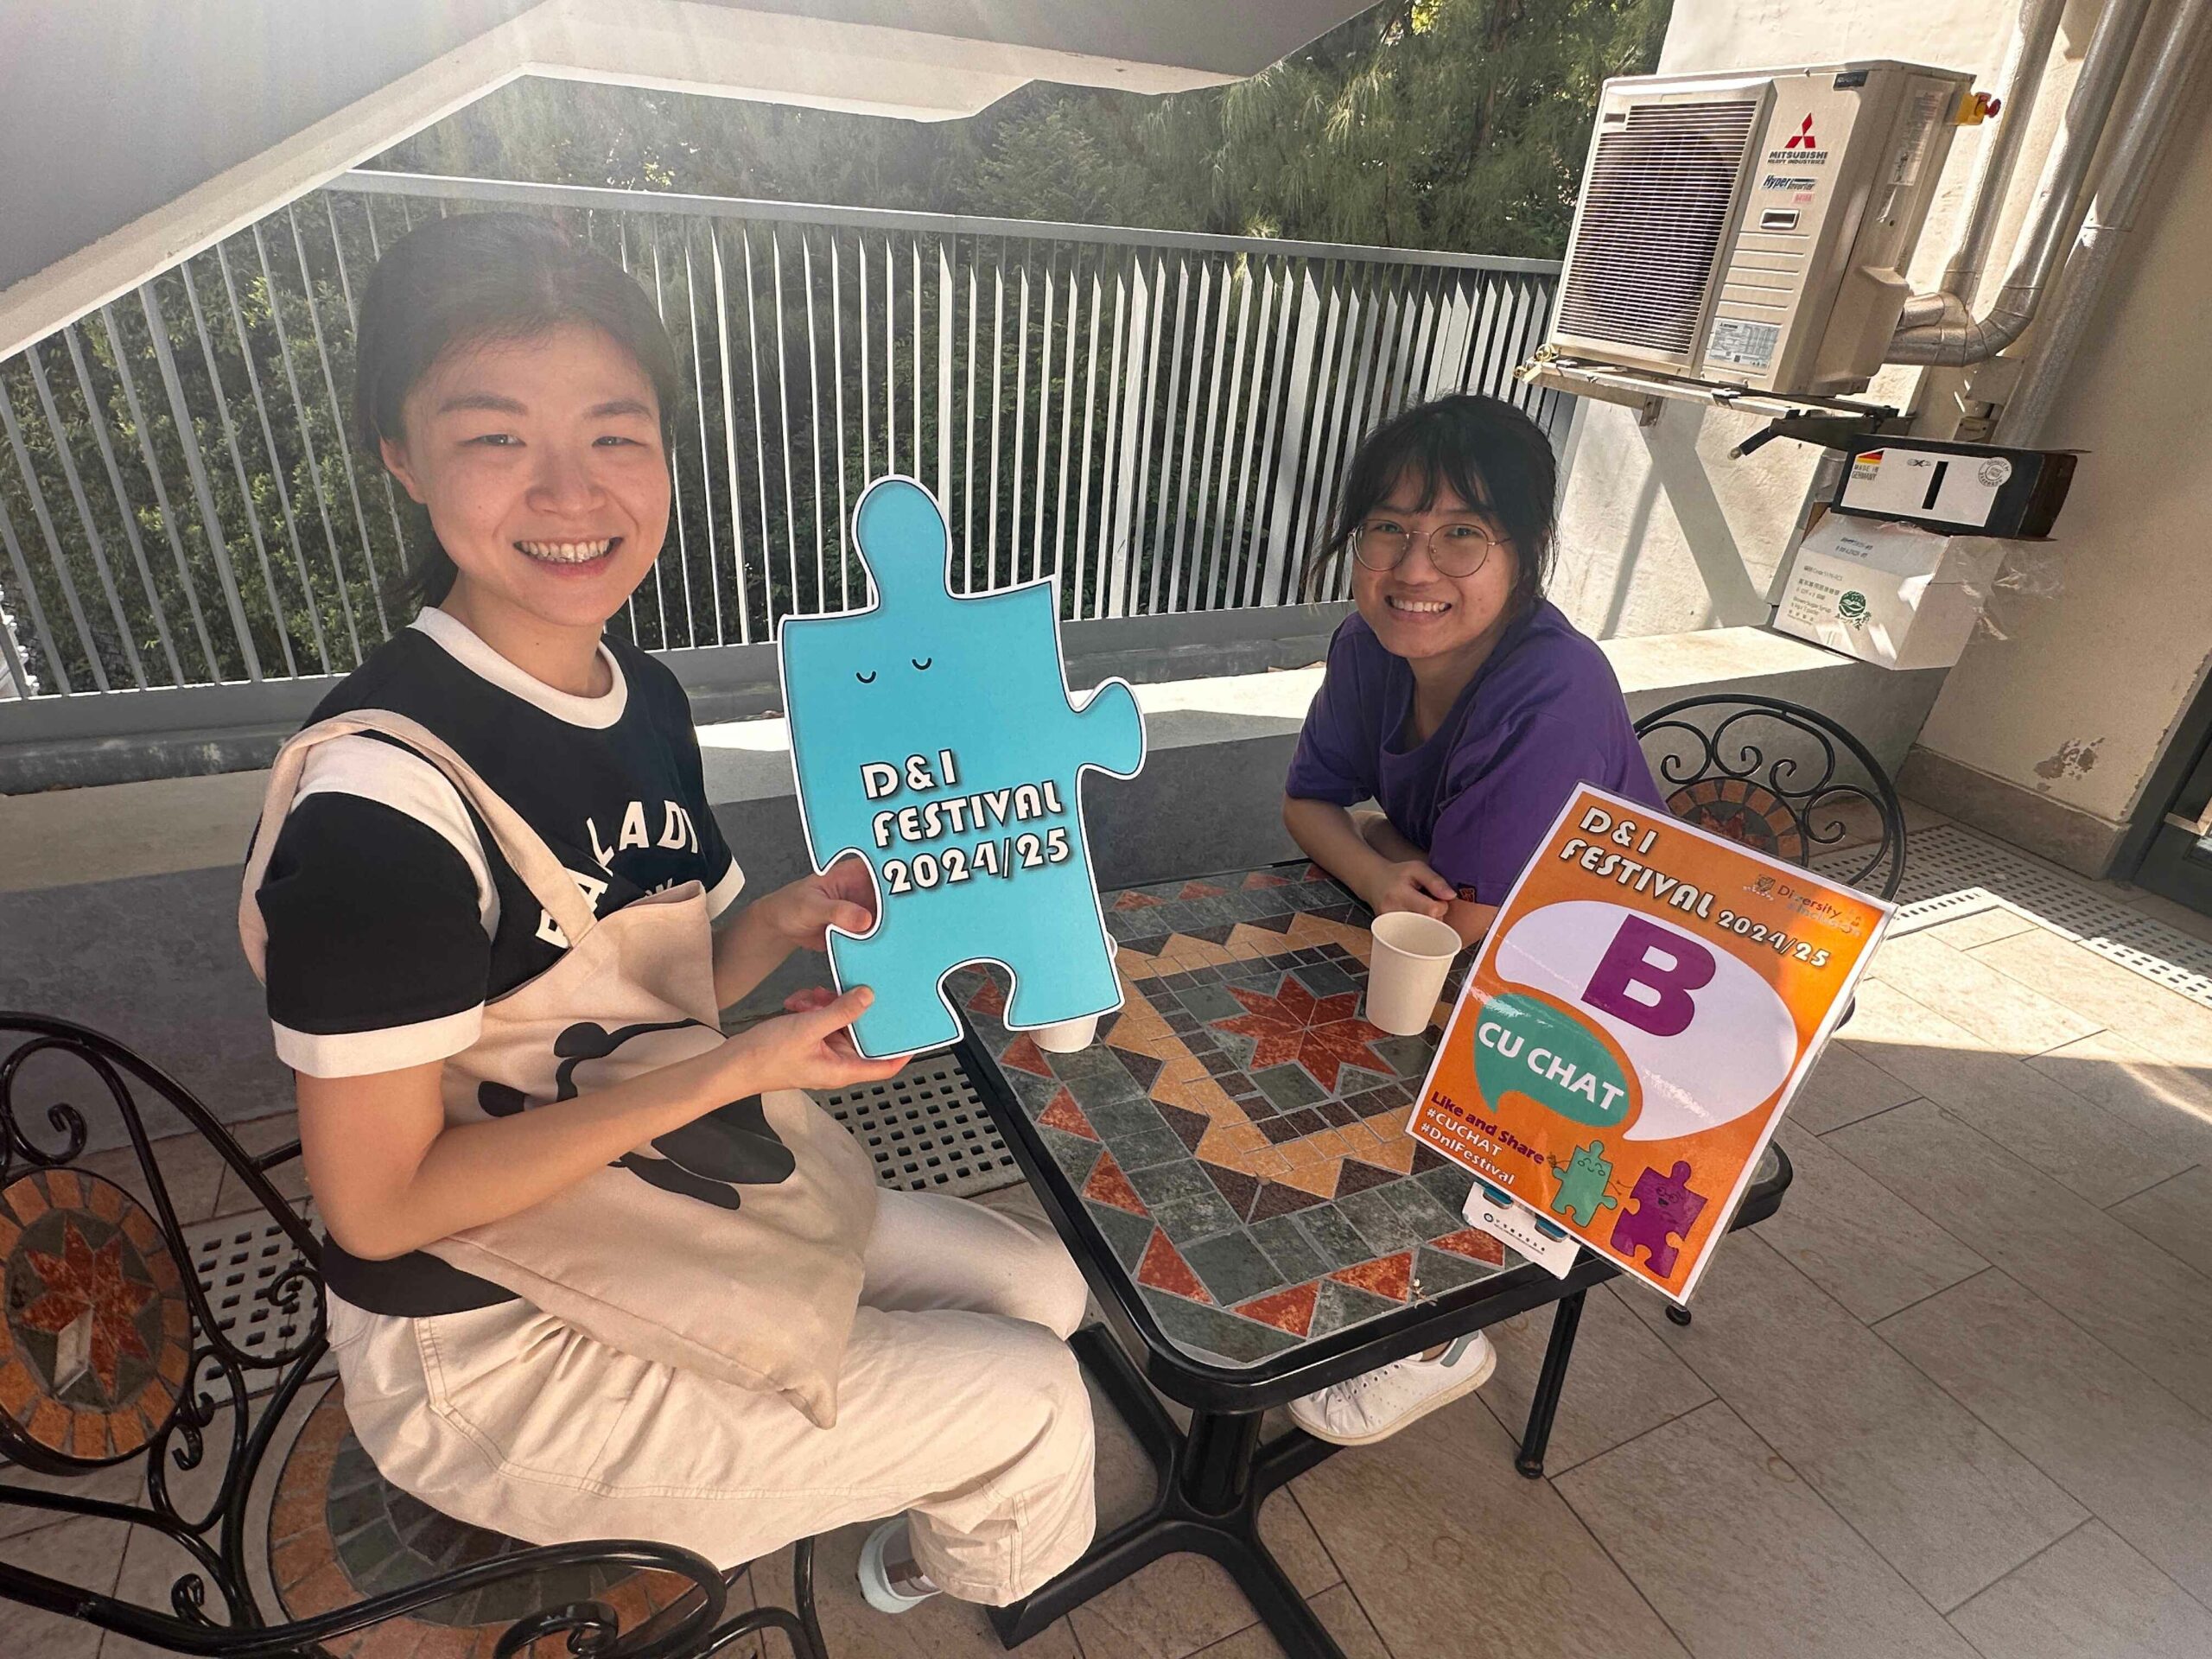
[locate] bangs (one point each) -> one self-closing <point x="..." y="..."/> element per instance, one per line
<point x="1492" y="456"/>
<point x="1431" y="469"/>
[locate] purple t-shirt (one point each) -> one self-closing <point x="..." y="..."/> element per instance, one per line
<point x="1543" y="713"/>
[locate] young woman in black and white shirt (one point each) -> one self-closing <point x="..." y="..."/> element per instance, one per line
<point x="519" y="387"/>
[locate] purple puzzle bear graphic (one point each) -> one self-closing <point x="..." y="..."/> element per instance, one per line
<point x="1665" y="1210"/>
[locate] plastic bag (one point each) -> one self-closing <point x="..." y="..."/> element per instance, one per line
<point x="2028" y="572"/>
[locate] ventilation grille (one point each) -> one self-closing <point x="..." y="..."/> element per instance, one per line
<point x="1954" y="871"/>
<point x="1648" y="236"/>
<point x="237" y="1259"/>
<point x="927" y="1130"/>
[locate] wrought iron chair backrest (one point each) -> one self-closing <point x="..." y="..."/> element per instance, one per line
<point x="1782" y="778"/>
<point x="113" y="1352"/>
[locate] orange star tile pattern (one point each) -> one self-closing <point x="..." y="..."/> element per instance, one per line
<point x="1741" y="809"/>
<point x="91" y="1287"/>
<point x="1237" y="1133"/>
<point x="1323" y="1034"/>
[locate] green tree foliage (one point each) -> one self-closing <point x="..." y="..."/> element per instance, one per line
<point x="197" y="490"/>
<point x="1457" y="124"/>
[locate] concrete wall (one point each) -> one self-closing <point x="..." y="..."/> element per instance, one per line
<point x="138" y="131"/>
<point x="140" y="101"/>
<point x="2057" y="730"/>
<point x="86" y="741"/>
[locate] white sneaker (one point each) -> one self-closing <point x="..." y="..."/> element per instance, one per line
<point x="877" y="1588"/>
<point x="1377" y="1405"/>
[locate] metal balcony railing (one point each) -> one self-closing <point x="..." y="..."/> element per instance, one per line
<point x="1159" y="418"/>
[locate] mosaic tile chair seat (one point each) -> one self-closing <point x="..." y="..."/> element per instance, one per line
<point x="1782" y="778"/>
<point x="115" y="1357"/>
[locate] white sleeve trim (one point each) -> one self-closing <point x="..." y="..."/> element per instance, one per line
<point x="403" y="781"/>
<point x="364" y="1054"/>
<point x="723" y="893"/>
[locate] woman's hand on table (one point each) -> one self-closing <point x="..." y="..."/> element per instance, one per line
<point x="842" y="896"/>
<point x="810" y="1044"/>
<point x="1410" y="885"/>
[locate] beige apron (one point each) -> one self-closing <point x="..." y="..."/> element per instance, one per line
<point x="730" y="1246"/>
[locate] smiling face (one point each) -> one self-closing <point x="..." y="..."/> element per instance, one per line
<point x="540" y="460"/>
<point x="1416" y="610"/>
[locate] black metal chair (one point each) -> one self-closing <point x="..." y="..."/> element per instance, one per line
<point x="1766" y="772"/>
<point x="1782" y="778"/>
<point x="116" y="1355"/>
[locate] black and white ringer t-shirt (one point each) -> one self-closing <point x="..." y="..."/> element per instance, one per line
<point x="392" y="917"/>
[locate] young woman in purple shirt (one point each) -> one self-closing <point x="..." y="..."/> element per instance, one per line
<point x="1458" y="698"/>
<point x="1462" y="703"/>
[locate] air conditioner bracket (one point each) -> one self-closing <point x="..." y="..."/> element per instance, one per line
<point x="1646" y="392"/>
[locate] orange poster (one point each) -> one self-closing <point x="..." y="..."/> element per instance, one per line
<point x="1645" y="1006"/>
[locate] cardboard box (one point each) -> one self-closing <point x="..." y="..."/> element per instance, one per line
<point x="1886" y="592"/>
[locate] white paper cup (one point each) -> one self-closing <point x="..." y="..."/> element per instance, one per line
<point x="1068" y="1037"/>
<point x="1406" y="970"/>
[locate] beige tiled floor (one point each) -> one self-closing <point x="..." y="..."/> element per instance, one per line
<point x="1955" y="1400"/>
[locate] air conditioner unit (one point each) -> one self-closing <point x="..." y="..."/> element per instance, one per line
<point x="1753" y="228"/>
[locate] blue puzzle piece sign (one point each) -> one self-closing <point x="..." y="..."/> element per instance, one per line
<point x="934" y="735"/>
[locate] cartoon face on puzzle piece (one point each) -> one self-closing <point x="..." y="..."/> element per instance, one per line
<point x="1665" y="1210"/>
<point x="1582" y="1185"/>
<point x="919" y="672"/>
<point x="1670" y="1196"/>
<point x="935" y="736"/>
<point x="1588" y="1163"/>
<point x="707" y="1158"/>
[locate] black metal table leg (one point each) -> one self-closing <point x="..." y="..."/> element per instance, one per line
<point x="1566" y="1316"/>
<point x="1122" y="1553"/>
<point x="1269" y="1588"/>
<point x="1213" y="1479"/>
<point x="1283" y="1460"/>
<point x="1218" y="1453"/>
<point x="1156" y="1431"/>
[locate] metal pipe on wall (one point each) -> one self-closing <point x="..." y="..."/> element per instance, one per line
<point x="2175" y="67"/>
<point x="1953" y="334"/>
<point x="2025" y="60"/>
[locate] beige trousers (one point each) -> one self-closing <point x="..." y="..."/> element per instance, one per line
<point x="958" y="1401"/>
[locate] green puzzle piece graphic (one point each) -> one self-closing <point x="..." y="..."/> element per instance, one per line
<point x="1582" y="1185"/>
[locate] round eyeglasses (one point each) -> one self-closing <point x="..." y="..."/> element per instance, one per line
<point x="1457" y="549"/>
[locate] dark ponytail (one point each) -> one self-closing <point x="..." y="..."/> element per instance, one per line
<point x="486" y="276"/>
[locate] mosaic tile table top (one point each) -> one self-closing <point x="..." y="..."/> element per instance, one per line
<point x="1237" y="1131"/>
